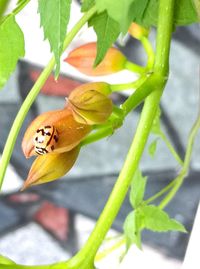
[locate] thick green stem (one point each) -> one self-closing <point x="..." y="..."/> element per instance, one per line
<point x="121" y="187"/>
<point x="32" y="95"/>
<point x="165" y="28"/>
<point x="86" y="256"/>
<point x="152" y="83"/>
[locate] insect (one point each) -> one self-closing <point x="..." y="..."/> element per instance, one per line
<point x="45" y="139"/>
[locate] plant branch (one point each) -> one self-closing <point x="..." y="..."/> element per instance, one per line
<point x="184" y="171"/>
<point x="149" y="51"/>
<point x="84" y="259"/>
<point x="9" y="146"/>
<point x="3" y="6"/>
<point x="171" y="148"/>
<point x="134" y="68"/>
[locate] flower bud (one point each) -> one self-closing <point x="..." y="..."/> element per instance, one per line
<point x="90" y="103"/>
<point x="84" y="56"/>
<point x="137" y="31"/>
<point x="50" y="167"/>
<point x="53" y="131"/>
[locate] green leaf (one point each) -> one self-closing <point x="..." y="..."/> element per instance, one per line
<point x="138" y="8"/>
<point x="87" y="4"/>
<point x="157" y="220"/>
<point x="118" y="10"/>
<point x="137" y="189"/>
<point x="5" y="260"/>
<point x="11" y="47"/>
<point x="152" y="147"/>
<point x="54" y="18"/>
<point x="132" y="230"/>
<point x="185" y="13"/>
<point x="107" y="31"/>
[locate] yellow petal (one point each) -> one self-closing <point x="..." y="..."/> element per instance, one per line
<point x="50" y="167"/>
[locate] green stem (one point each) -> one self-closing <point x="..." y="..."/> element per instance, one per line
<point x="98" y="135"/>
<point x="84" y="259"/>
<point x="20" y="7"/>
<point x="121" y="187"/>
<point x="134" y="68"/>
<point x="149" y="51"/>
<point x="171" y="148"/>
<point x="183" y="173"/>
<point x="127" y="86"/>
<point x="101" y="255"/>
<point x="152" y="83"/>
<point x="164" y="30"/>
<point x="32" y="95"/>
<point x="3" y="6"/>
<point x="161" y="192"/>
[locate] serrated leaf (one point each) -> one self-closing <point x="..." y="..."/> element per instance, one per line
<point x="152" y="147"/>
<point x="54" y="18"/>
<point x="118" y="11"/>
<point x="137" y="189"/>
<point x="87" y="4"/>
<point x="107" y="31"/>
<point x="157" y="220"/>
<point x="11" y="47"/>
<point x="132" y="229"/>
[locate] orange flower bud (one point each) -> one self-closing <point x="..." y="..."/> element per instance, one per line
<point x="50" y="167"/>
<point x="138" y="31"/>
<point x="53" y="131"/>
<point x="84" y="56"/>
<point x="90" y="103"/>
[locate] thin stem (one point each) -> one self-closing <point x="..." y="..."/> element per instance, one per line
<point x="186" y="164"/>
<point x="149" y="51"/>
<point x="134" y="68"/>
<point x="161" y="192"/>
<point x="9" y="146"/>
<point x="98" y="135"/>
<point x="171" y="148"/>
<point x="127" y="86"/>
<point x="20" y="7"/>
<point x="101" y="255"/>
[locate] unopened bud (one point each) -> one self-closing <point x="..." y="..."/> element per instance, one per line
<point x="84" y="56"/>
<point x="90" y="103"/>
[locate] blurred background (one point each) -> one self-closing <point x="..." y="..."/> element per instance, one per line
<point x="50" y="222"/>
